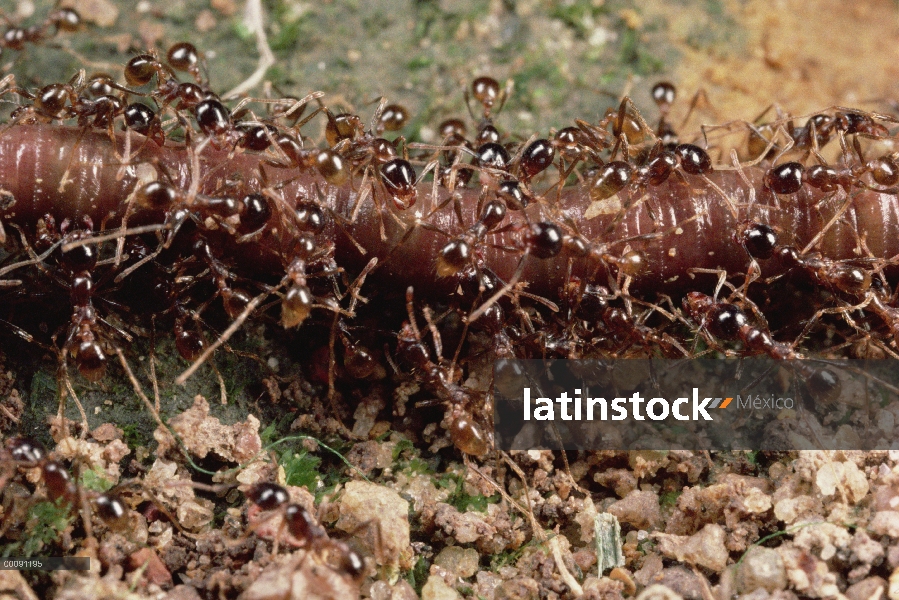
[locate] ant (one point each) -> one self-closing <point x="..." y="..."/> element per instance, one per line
<point x="245" y="218"/>
<point x="373" y="155"/>
<point x="298" y="300"/>
<point x="305" y="531"/>
<point x="466" y="433"/>
<point x="27" y="453"/>
<point x="728" y="322"/>
<point x="182" y="56"/>
<point x="77" y="261"/>
<point x="61" y="19"/>
<point x="761" y="242"/>
<point x="592" y="302"/>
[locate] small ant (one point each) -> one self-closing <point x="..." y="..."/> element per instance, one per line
<point x="77" y="265"/>
<point x="306" y="532"/>
<point x="61" y="19"/>
<point x="467" y="435"/>
<point x="27" y="453"/>
<point x="728" y="322"/>
<point x="373" y="155"/>
<point x="592" y="302"/>
<point x="244" y="218"/>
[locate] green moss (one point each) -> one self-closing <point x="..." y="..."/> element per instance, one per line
<point x="669" y="499"/>
<point x="46" y="522"/>
<point x="419" y="574"/>
<point x="301" y="469"/>
<point x="460" y="499"/>
<point x="95" y="480"/>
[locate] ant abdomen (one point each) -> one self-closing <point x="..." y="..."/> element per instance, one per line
<point x="468" y="436"/>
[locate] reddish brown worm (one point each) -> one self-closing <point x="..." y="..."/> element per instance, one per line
<point x="681" y="225"/>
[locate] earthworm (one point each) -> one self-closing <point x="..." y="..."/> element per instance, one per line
<point x="681" y="225"/>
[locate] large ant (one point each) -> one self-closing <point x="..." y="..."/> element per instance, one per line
<point x="842" y="277"/>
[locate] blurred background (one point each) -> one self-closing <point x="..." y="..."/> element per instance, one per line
<point x="567" y="60"/>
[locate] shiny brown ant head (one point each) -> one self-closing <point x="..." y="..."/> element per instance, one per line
<point x="268" y="496"/>
<point x="399" y="178"/>
<point x="112" y="510"/>
<point x="26" y="451"/>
